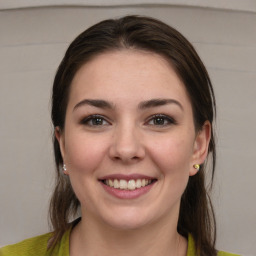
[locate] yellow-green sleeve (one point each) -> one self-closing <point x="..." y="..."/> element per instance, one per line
<point x="192" y="251"/>
<point x="37" y="246"/>
<point x="221" y="253"/>
<point x="32" y="246"/>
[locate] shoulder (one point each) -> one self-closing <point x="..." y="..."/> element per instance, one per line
<point x="32" y="246"/>
<point x="221" y="253"/>
<point x="192" y="250"/>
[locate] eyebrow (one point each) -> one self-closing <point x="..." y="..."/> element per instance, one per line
<point x="159" y="102"/>
<point x="95" y="103"/>
<point x="143" y="105"/>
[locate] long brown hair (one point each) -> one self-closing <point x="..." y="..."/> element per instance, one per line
<point x="196" y="212"/>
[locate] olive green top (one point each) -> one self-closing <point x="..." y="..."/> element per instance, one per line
<point x="37" y="246"/>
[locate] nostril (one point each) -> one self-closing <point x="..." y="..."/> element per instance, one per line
<point x="126" y="150"/>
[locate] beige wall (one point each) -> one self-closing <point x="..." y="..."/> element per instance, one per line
<point x="245" y="5"/>
<point x="32" y="43"/>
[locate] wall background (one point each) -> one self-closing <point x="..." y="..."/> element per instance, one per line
<point x="32" y="43"/>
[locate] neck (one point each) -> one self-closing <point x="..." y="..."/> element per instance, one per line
<point x="90" y="237"/>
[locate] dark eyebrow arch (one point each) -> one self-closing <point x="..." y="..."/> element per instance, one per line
<point x="95" y="103"/>
<point x="158" y="102"/>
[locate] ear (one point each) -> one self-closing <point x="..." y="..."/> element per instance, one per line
<point x="201" y="145"/>
<point x="59" y="134"/>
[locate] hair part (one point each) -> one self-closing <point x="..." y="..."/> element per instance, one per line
<point x="140" y="33"/>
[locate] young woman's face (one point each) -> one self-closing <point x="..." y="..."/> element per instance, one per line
<point x="129" y="142"/>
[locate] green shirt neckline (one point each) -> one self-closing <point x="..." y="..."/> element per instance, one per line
<point x="38" y="246"/>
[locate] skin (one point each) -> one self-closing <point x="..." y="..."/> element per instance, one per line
<point x="128" y="140"/>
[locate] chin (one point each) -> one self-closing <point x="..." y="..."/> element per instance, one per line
<point x="126" y="225"/>
<point x="128" y="219"/>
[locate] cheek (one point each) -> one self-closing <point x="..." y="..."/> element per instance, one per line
<point x="84" y="154"/>
<point x="172" y="155"/>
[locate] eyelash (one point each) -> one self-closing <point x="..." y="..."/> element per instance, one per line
<point x="167" y="120"/>
<point x="92" y="118"/>
<point x="164" y="118"/>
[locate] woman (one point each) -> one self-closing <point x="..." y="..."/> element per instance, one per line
<point x="132" y="109"/>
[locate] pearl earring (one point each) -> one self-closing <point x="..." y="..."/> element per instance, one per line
<point x="64" y="168"/>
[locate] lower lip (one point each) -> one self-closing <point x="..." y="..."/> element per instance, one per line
<point x="128" y="194"/>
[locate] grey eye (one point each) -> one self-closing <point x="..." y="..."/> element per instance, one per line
<point x="94" y="120"/>
<point x="97" y="121"/>
<point x="161" y="120"/>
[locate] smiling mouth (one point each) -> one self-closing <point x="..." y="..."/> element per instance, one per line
<point x="128" y="184"/>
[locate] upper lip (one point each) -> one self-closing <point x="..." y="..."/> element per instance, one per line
<point x="126" y="177"/>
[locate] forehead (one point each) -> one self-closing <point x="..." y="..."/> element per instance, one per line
<point x="125" y="74"/>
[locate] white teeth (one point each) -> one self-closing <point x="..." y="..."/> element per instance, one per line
<point x="111" y="183"/>
<point x="138" y="183"/>
<point x="131" y="184"/>
<point x="127" y="185"/>
<point x="123" y="184"/>
<point x="116" y="184"/>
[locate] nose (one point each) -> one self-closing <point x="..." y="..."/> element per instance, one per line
<point x="126" y="145"/>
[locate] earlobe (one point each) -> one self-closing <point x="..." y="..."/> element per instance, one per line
<point x="201" y="146"/>
<point x="64" y="168"/>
